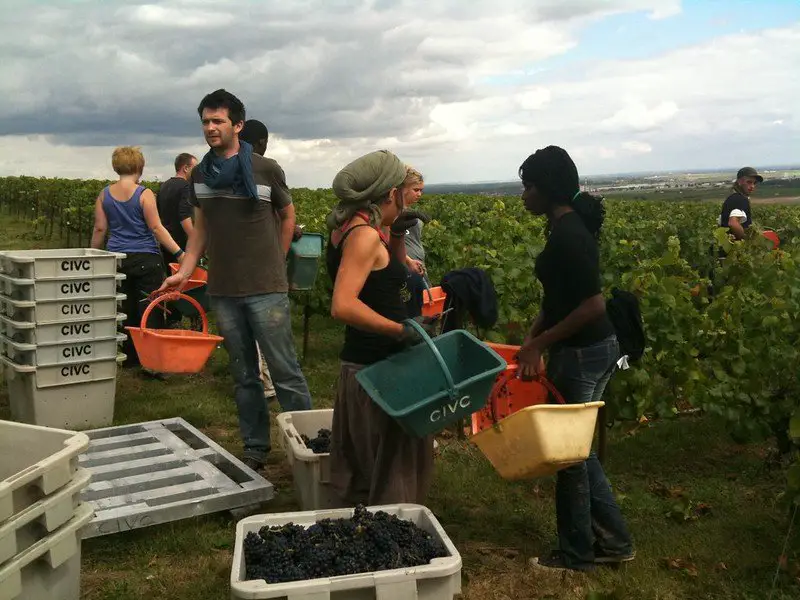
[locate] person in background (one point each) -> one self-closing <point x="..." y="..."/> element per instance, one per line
<point x="174" y="208"/>
<point x="415" y="252"/>
<point x="127" y="212"/>
<point x="575" y="330"/>
<point x="736" y="214"/>
<point x="244" y="214"/>
<point x="373" y="461"/>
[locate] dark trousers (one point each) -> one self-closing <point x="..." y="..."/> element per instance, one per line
<point x="144" y="273"/>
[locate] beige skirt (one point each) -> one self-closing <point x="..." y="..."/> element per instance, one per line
<point x="373" y="461"/>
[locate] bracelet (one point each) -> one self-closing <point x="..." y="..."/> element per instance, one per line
<point x="397" y="235"/>
<point x="178" y="253"/>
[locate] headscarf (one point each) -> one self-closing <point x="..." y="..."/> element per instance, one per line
<point x="363" y="184"/>
<point x="235" y="172"/>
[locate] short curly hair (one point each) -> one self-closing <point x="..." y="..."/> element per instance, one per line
<point x="127" y="160"/>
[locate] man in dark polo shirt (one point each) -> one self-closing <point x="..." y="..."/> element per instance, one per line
<point x="735" y="213"/>
<point x="174" y="208"/>
<point x="244" y="218"/>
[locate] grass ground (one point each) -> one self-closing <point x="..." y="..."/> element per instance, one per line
<point x="702" y="509"/>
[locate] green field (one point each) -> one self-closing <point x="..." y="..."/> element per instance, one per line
<point x="707" y="513"/>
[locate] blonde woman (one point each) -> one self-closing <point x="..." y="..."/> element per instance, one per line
<point x="127" y="212"/>
<point x="415" y="253"/>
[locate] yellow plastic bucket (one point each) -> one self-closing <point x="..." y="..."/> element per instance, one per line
<point x="538" y="441"/>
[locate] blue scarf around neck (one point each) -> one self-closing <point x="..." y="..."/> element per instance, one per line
<point x="235" y="172"/>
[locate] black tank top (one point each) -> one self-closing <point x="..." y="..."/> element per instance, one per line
<point x="385" y="291"/>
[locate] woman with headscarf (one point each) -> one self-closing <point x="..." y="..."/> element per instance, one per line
<point x="575" y="330"/>
<point x="373" y="461"/>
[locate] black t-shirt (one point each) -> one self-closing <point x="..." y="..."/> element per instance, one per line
<point x="735" y="202"/>
<point x="569" y="269"/>
<point x="173" y="207"/>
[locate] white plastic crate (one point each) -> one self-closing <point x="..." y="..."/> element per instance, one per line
<point x="41" y="518"/>
<point x="59" y="263"/>
<point x="35" y="461"/>
<point x="311" y="471"/>
<point x="76" y="288"/>
<point x="60" y="353"/>
<point x="439" y="580"/>
<point x="65" y="374"/>
<point x="48" y="311"/>
<point x="51" y="568"/>
<point x="26" y="332"/>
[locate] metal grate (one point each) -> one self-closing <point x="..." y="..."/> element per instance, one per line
<point x="161" y="471"/>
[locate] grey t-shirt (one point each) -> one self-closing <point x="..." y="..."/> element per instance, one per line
<point x="414" y="247"/>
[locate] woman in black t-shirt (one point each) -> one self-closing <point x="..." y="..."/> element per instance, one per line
<point x="575" y="330"/>
<point x="373" y="461"/>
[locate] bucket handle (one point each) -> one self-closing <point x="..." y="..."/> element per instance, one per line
<point x="171" y="296"/>
<point x="511" y="371"/>
<point x="428" y="289"/>
<point x="451" y="386"/>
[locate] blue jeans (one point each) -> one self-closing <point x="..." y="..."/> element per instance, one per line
<point x="264" y="319"/>
<point x="587" y="515"/>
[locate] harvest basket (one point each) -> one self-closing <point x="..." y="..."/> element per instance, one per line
<point x="197" y="288"/>
<point x="173" y="350"/>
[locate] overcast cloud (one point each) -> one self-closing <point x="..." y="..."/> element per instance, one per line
<point x="463" y="89"/>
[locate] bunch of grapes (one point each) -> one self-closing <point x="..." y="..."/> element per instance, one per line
<point x="320" y="444"/>
<point x="365" y="543"/>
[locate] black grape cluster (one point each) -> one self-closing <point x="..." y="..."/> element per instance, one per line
<point x="365" y="543"/>
<point x="320" y="444"/>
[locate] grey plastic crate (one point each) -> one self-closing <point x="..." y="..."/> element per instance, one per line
<point x="35" y="461"/>
<point x="66" y="374"/>
<point x="51" y="568"/>
<point x="439" y="580"/>
<point x="60" y="310"/>
<point x="77" y="288"/>
<point x="40" y="519"/>
<point x="59" y="263"/>
<point x="60" y="353"/>
<point x="26" y="332"/>
<point x="311" y="472"/>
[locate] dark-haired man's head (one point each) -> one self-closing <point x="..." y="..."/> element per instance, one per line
<point x="256" y="134"/>
<point x="184" y="163"/>
<point x="222" y="115"/>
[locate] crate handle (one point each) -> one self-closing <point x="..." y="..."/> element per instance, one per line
<point x="451" y="386"/>
<point x="170" y="296"/>
<point x="502" y="381"/>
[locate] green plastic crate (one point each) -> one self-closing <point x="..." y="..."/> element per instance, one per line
<point x="433" y="384"/>
<point x="303" y="261"/>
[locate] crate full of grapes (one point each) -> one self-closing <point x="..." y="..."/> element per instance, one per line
<point x="397" y="551"/>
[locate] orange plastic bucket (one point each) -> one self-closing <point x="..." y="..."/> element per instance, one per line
<point x="773" y="237"/>
<point x="173" y="350"/>
<point x="509" y="394"/>
<point x="433" y="301"/>
<point x="198" y="278"/>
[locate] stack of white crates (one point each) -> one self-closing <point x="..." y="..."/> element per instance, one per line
<point x="59" y="338"/>
<point x="41" y="513"/>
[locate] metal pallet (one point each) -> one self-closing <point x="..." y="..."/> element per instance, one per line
<point x="160" y="471"/>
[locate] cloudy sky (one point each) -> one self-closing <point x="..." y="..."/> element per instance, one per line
<point x="463" y="89"/>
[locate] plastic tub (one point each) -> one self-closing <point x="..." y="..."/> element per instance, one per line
<point x="51" y="568"/>
<point x="35" y="462"/>
<point x="59" y="263"/>
<point x="66" y="374"/>
<point x="41" y="518"/>
<point x="61" y="311"/>
<point x="435" y="383"/>
<point x="433" y="300"/>
<point x="78" y="288"/>
<point x="60" y="353"/>
<point x="26" y="332"/>
<point x="312" y="472"/>
<point x="303" y="261"/>
<point x="439" y="580"/>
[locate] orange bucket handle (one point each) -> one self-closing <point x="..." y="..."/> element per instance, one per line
<point x="511" y="371"/>
<point x="171" y="296"/>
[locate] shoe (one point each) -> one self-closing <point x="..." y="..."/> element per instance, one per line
<point x="253" y="463"/>
<point x="602" y="558"/>
<point x="153" y="375"/>
<point x="555" y="560"/>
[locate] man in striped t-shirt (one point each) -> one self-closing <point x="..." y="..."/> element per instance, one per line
<point x="245" y="218"/>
